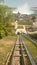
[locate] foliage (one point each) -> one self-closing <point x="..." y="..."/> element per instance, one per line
<point x="33" y="36"/>
<point x="25" y="23"/>
<point x="5" y="21"/>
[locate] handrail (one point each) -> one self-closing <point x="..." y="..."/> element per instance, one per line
<point x="31" y="39"/>
<point x="29" y="54"/>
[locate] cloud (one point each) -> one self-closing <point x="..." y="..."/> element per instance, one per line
<point x="24" y="9"/>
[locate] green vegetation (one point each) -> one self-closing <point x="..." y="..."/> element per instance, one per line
<point x="7" y="33"/>
<point x="6" y="18"/>
<point x="20" y="27"/>
<point x="25" y="23"/>
<point x="33" y="36"/>
<point x="6" y="44"/>
<point x="31" y="47"/>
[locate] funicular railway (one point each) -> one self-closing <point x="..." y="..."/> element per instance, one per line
<point x="20" y="54"/>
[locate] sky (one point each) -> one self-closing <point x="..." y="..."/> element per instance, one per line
<point x="23" y="6"/>
<point x="17" y="3"/>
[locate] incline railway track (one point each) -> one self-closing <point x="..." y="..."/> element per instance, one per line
<point x="19" y="55"/>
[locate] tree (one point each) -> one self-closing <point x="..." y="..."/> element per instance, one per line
<point x="5" y="20"/>
<point x="33" y="18"/>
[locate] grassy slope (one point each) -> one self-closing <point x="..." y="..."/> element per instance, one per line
<point x="25" y="23"/>
<point x="6" y="45"/>
<point x="32" y="48"/>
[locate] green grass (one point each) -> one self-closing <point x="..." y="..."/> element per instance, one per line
<point x="25" y="23"/>
<point x="6" y="44"/>
<point x="32" y="48"/>
<point x="20" y="27"/>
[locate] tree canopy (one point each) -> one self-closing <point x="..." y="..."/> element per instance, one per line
<point x="5" y="20"/>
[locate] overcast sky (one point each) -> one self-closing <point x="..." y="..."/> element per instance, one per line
<point x="17" y="3"/>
